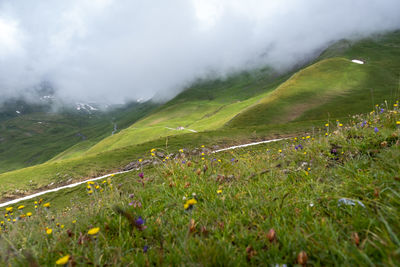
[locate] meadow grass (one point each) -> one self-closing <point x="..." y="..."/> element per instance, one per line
<point x="328" y="199"/>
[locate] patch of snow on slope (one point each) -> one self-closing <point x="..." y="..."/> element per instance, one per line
<point x="357" y="61"/>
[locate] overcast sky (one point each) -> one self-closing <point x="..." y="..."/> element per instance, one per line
<point x="114" y="50"/>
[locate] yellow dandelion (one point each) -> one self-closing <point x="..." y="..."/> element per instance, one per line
<point x="219" y="160"/>
<point x="153" y="154"/>
<point x="326" y="124"/>
<point x="152" y="150"/>
<point x="63" y="260"/>
<point x="90" y="182"/>
<point x="305" y="152"/>
<point x="181" y="150"/>
<point x="340" y="125"/>
<point x="104" y="182"/>
<point x="326" y="134"/>
<point x="94" y="231"/>
<point x="14" y="220"/>
<point x="202" y="158"/>
<point x="202" y="146"/>
<point x="97" y="187"/>
<point x="140" y="160"/>
<point x="49" y="231"/>
<point x="46" y="205"/>
<point x="202" y="154"/>
<point x="35" y="202"/>
<point x="189" y="203"/>
<point x="29" y="214"/>
<point x="219" y="191"/>
<point x="74" y="221"/>
<point x="395" y="105"/>
<point x="308" y="137"/>
<point x="9" y="209"/>
<point x="90" y="192"/>
<point x="112" y="175"/>
<point x="397" y="122"/>
<point x="62" y="226"/>
<point x="280" y="150"/>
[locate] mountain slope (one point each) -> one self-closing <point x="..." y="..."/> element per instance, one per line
<point x="36" y="133"/>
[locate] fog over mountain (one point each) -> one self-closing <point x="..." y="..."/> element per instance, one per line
<point x="109" y="50"/>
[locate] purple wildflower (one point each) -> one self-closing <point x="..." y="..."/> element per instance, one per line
<point x="363" y="123"/>
<point x="145" y="248"/>
<point x="139" y="221"/>
<point x="131" y="195"/>
<point x="141" y="175"/>
<point x="376" y="130"/>
<point x="183" y="161"/>
<point x="382" y="110"/>
<point x="233" y="159"/>
<point x="131" y="203"/>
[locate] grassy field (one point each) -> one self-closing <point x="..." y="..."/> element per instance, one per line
<point x="331" y="198"/>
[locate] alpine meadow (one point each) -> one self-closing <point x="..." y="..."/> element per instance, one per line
<point x="200" y="133"/>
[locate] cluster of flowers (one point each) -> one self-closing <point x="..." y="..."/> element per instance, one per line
<point x="93" y="187"/>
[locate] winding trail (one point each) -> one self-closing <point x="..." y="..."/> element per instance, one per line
<point x="111" y="174"/>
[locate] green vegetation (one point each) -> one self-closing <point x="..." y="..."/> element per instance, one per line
<point x="331" y="198"/>
<point x="248" y="106"/>
<point x="39" y="135"/>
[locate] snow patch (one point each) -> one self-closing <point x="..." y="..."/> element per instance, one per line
<point x="19" y="112"/>
<point x="357" y="61"/>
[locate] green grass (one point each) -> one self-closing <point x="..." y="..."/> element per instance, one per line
<point x="295" y="192"/>
<point x="36" y="137"/>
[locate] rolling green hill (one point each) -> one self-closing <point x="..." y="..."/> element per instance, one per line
<point x="247" y="106"/>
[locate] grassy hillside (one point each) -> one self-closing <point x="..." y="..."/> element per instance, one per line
<point x="37" y="135"/>
<point x="324" y="89"/>
<point x="333" y="86"/>
<point x="329" y="199"/>
<point x="205" y="106"/>
<point x="244" y="107"/>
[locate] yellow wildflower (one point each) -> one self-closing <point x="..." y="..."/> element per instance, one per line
<point x="340" y="125"/>
<point x="280" y="150"/>
<point x="94" y="231"/>
<point x="153" y="154"/>
<point x="90" y="192"/>
<point x="308" y="137"/>
<point x="305" y="152"/>
<point x="152" y="150"/>
<point x="90" y="182"/>
<point x="74" y="221"/>
<point x="46" y="205"/>
<point x="326" y="124"/>
<point x="181" y="150"/>
<point x="140" y="160"/>
<point x="397" y="122"/>
<point x="219" y="191"/>
<point x="62" y="261"/>
<point x="202" y="146"/>
<point x="49" y="231"/>
<point x="189" y="203"/>
<point x="29" y="214"/>
<point x="9" y="209"/>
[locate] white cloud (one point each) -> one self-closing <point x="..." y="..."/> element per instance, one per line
<point x="115" y="50"/>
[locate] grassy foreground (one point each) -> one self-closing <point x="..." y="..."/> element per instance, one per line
<point x="322" y="200"/>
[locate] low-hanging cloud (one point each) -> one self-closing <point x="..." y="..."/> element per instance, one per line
<point x="115" y="50"/>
